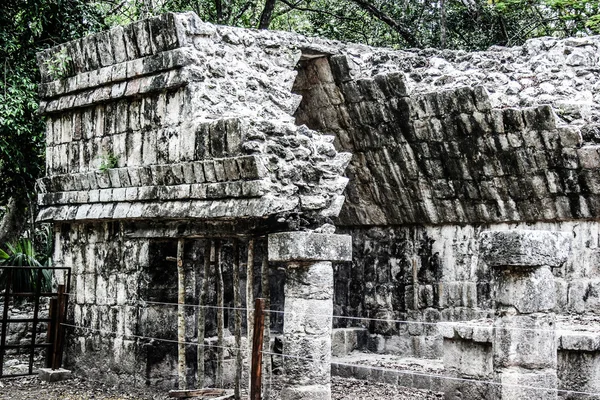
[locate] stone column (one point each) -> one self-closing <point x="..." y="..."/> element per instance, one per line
<point x="308" y="309"/>
<point x="524" y="342"/>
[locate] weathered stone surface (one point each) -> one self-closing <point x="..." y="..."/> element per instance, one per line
<point x="525" y="248"/>
<point x="307" y="330"/>
<point x="525" y="341"/>
<point x="308" y="246"/>
<point x="469" y="360"/>
<point x="316" y="392"/>
<point x="448" y="142"/>
<point x="408" y="126"/>
<point x="517" y="384"/>
<point x="579" y="371"/>
<point x="528" y="291"/>
<point x="579" y="341"/>
<point x="54" y="375"/>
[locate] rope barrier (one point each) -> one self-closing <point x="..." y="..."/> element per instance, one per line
<point x="456" y="324"/>
<point x="108" y="332"/>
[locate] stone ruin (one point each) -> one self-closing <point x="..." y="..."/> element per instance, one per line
<point x="465" y="189"/>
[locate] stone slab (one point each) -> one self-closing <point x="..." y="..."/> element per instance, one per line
<point x="525" y="248"/>
<point x="308" y="246"/>
<point x="54" y="375"/>
<point x="313" y="392"/>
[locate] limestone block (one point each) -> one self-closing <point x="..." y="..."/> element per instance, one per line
<point x="527" y="290"/>
<point x="308" y="246"/>
<point x="209" y="171"/>
<point x="456" y="389"/>
<point x="313" y="363"/>
<point x="341" y="68"/>
<point x="585" y="377"/>
<point x="515" y="383"/>
<point x="468" y="359"/>
<point x="316" y="322"/>
<point x="54" y="375"/>
<point x="104" y="49"/>
<point x="569" y="136"/>
<point x="539" y="118"/>
<point x="526" y="341"/>
<point x="312" y="283"/>
<point x="338" y="343"/>
<point x="311" y="392"/>
<point x="525" y="248"/>
<point x="579" y="341"/>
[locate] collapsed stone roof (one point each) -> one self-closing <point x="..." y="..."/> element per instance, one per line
<point x="205" y="122"/>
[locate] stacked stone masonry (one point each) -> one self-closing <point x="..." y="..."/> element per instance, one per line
<point x="175" y="128"/>
<point x="118" y="146"/>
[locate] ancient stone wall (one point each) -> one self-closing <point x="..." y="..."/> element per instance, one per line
<point x="175" y="128"/>
<point x="174" y="118"/>
<point x="442" y="149"/>
<point x="124" y="289"/>
<point x="452" y="283"/>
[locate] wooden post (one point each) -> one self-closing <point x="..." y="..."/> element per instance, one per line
<point x="9" y="273"/>
<point x="181" y="367"/>
<point x="249" y="294"/>
<point x="36" y="309"/>
<point x="53" y="315"/>
<point x="257" y="349"/>
<point x="61" y="305"/>
<point x="209" y="257"/>
<point x="237" y="300"/>
<point x="266" y="294"/>
<point x="220" y="317"/>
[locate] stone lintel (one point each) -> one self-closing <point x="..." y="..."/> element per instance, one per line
<point x="525" y="248"/>
<point x="308" y="246"/>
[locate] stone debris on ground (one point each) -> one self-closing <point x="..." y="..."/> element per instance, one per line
<point x="79" y="389"/>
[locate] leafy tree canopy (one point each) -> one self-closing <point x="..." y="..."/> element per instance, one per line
<point x="26" y="27"/>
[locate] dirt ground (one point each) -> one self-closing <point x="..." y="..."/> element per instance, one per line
<point x="30" y="388"/>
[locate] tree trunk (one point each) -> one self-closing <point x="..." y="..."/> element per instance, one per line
<point x="443" y="24"/>
<point x="11" y="224"/>
<point x="267" y="14"/>
<point x="219" y="8"/>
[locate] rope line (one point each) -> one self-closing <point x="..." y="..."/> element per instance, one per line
<point x="108" y="332"/>
<point x="455" y="324"/>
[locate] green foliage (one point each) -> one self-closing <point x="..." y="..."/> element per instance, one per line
<point x="22" y="254"/>
<point x="58" y="65"/>
<point x="26" y="27"/>
<point x="108" y="161"/>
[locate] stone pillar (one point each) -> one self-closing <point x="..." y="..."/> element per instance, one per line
<point x="524" y="343"/>
<point x="308" y="309"/>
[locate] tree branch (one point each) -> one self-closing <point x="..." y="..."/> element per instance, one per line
<point x="295" y="7"/>
<point x="403" y="31"/>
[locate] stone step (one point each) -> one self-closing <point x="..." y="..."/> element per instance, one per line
<point x="401" y="371"/>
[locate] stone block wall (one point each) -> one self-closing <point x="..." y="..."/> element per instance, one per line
<point x="468" y="354"/>
<point x="446" y="156"/>
<point x="107" y="278"/>
<point x="123" y="293"/>
<point x="174" y="118"/>
<point x="171" y="127"/>
<point x="452" y="283"/>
